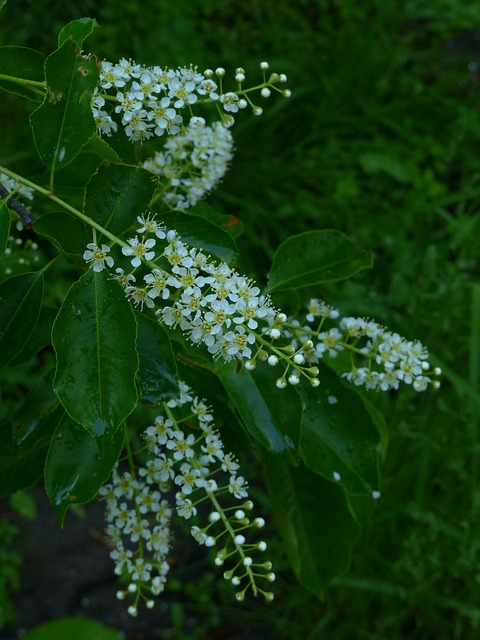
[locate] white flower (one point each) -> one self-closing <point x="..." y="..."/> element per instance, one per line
<point x="238" y="486"/>
<point x="139" y="250"/>
<point x="97" y="256"/>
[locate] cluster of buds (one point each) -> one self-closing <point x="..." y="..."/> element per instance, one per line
<point x="186" y="458"/>
<point x="150" y="101"/>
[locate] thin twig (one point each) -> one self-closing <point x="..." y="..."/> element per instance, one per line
<point x="27" y="216"/>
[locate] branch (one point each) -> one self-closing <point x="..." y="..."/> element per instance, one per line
<point x="27" y="217"/>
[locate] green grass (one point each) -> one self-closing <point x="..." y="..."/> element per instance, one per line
<point x="380" y="140"/>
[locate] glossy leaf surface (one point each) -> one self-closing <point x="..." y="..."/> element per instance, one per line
<point x="76" y="468"/>
<point x="117" y="194"/>
<point x="78" y="30"/>
<point x="64" y="122"/>
<point x="315" y="522"/>
<point x="20" y="302"/>
<point x="313" y="257"/>
<point x="271" y="415"/>
<point x="21" y="465"/>
<point x="25" y="63"/>
<point x="339" y="436"/>
<point x="66" y="231"/>
<point x="202" y="234"/>
<point x="232" y="225"/>
<point x="40" y="337"/>
<point x="94" y="338"/>
<point x="157" y="375"/>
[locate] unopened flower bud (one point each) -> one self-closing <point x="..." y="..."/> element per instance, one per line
<point x="270" y="577"/>
<point x="265" y="92"/>
<point x="257" y="111"/>
<point x="293" y="379"/>
<point x="239" y="539"/>
<point x="236" y="581"/>
<point x="247" y="561"/>
<point x="242" y="104"/>
<point x="262" y="545"/>
<point x="299" y="358"/>
<point x="149" y="604"/>
<point x="239" y="514"/>
<point x="259" y="522"/>
<point x="220" y="72"/>
<point x="214" y="516"/>
<point x="250" y="365"/>
<point x="240" y="596"/>
<point x="272" y="360"/>
<point x="264" y="66"/>
<point x="268" y="596"/>
<point x="314" y="382"/>
<point x="437" y="371"/>
<point x="307" y="345"/>
<point x="281" y="383"/>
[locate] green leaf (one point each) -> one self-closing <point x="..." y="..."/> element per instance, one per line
<point x="102" y="149"/>
<point x="78" y="30"/>
<point x="94" y="339"/>
<point x="76" y="468"/>
<point x="116" y="194"/>
<point x="202" y="234"/>
<point x="40" y="337"/>
<point x="22" y="465"/>
<point x="157" y="375"/>
<point x="232" y="225"/>
<point x="4" y="226"/>
<point x="273" y="416"/>
<point x="313" y="257"/>
<point x="315" y="522"/>
<point x="20" y="302"/>
<point x="25" y="63"/>
<point x="64" y="122"/>
<point x="339" y="436"/>
<point x="29" y="420"/>
<point x="74" y="628"/>
<point x="65" y="230"/>
<point x="2" y="3"/>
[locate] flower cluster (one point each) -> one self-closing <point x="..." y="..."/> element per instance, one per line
<point x="226" y="312"/>
<point x="191" y="165"/>
<point x="149" y="101"/>
<point x="185" y="457"/>
<point x="388" y="358"/>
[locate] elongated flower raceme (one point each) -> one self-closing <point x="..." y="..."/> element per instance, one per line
<point x="151" y="101"/>
<point x="186" y="459"/>
<point x="226" y="312"/>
